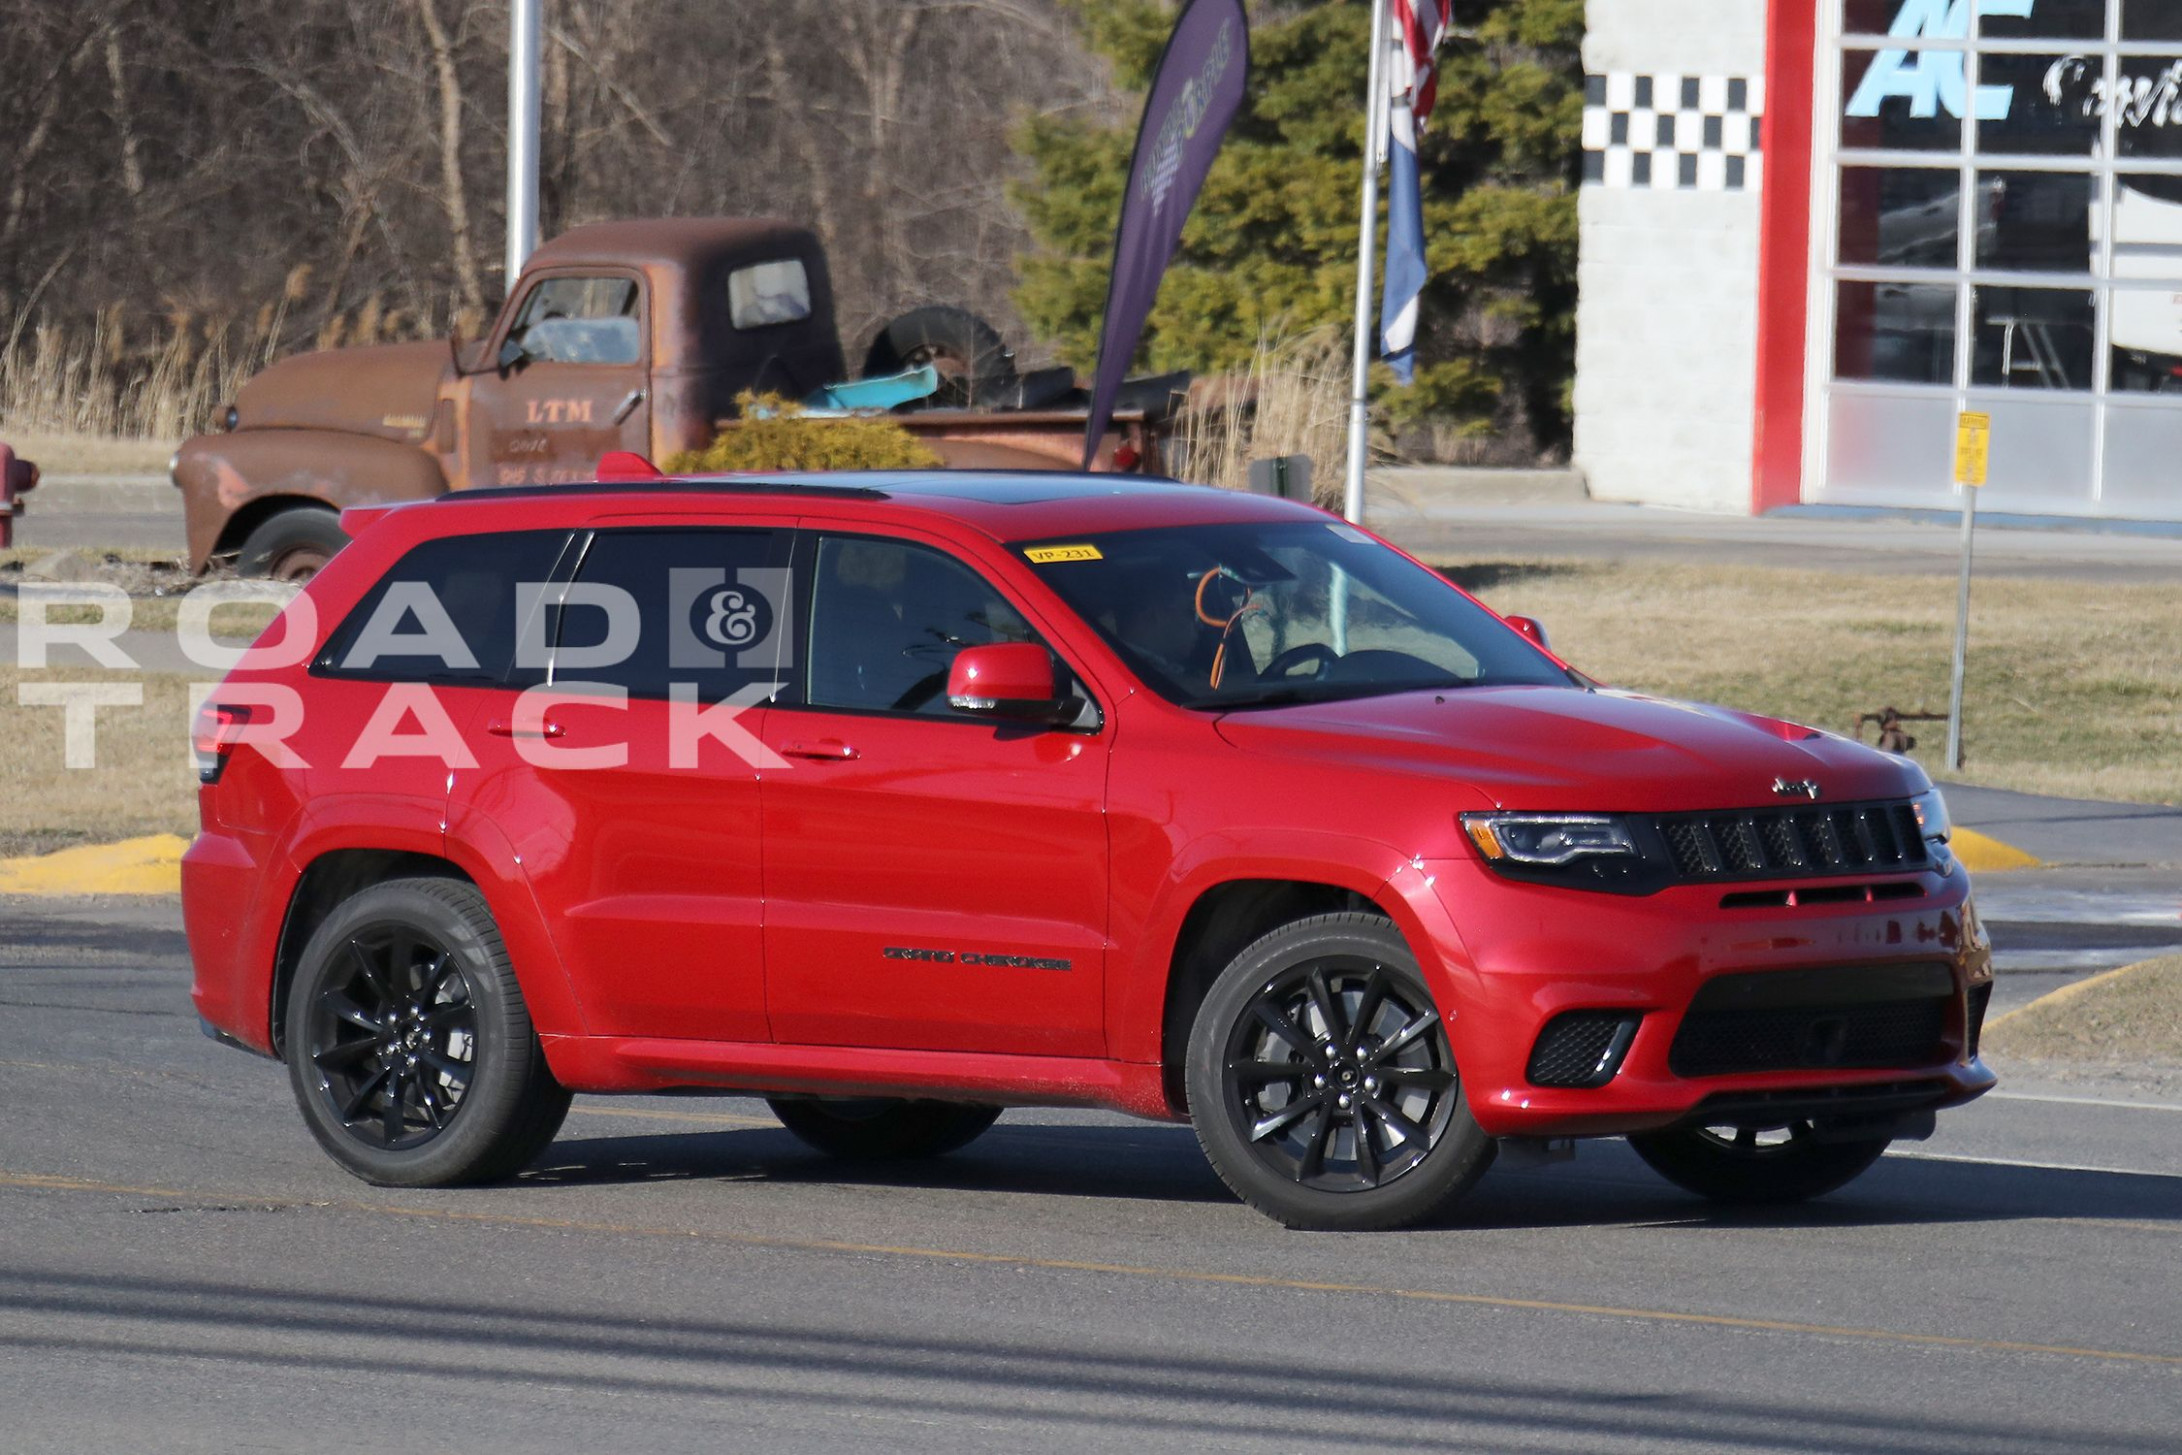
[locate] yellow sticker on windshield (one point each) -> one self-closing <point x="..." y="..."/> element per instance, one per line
<point x="1047" y="555"/>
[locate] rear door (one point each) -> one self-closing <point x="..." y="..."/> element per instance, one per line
<point x="629" y="782"/>
<point x="933" y="881"/>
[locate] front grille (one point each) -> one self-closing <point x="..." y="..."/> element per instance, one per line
<point x="1581" y="1048"/>
<point x="1774" y="843"/>
<point x="1888" y="1015"/>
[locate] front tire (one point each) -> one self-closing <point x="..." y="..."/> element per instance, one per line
<point x="1749" y="1166"/>
<point x="882" y="1130"/>
<point x="293" y="545"/>
<point x="1322" y="1085"/>
<point x="409" y="1047"/>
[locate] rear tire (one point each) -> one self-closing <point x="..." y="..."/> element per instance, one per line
<point x="409" y="1047"/>
<point x="1322" y="1085"/>
<point x="881" y="1130"/>
<point x="293" y="545"/>
<point x="1749" y="1166"/>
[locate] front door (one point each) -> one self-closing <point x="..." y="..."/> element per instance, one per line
<point x="568" y="385"/>
<point x="630" y="791"/>
<point x="933" y="881"/>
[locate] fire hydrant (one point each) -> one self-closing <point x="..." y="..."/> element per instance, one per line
<point x="16" y="477"/>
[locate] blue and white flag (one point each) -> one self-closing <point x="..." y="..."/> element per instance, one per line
<point x="1414" y="87"/>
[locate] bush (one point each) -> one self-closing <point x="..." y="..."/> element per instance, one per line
<point x="776" y="434"/>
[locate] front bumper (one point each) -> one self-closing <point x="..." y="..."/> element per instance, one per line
<point x="1507" y="958"/>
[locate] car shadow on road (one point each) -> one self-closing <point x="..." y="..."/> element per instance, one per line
<point x="1606" y="1186"/>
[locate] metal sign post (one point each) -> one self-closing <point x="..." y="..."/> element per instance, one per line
<point x="524" y="31"/>
<point x="1973" y="451"/>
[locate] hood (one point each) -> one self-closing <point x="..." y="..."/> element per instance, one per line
<point x="1562" y="748"/>
<point x="389" y="390"/>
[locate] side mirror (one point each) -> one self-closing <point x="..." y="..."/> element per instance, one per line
<point x="1532" y="628"/>
<point x="1013" y="681"/>
<point x="512" y="353"/>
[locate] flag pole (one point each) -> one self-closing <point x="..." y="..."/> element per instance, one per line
<point x="1375" y="103"/>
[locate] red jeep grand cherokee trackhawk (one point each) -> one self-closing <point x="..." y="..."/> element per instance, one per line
<point x="899" y="799"/>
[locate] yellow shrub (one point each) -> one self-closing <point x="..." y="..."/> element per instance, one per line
<point x="775" y="434"/>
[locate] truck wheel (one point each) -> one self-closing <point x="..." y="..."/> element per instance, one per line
<point x="881" y="1130"/>
<point x="292" y="545"/>
<point x="1748" y="1165"/>
<point x="409" y="1047"/>
<point x="968" y="352"/>
<point x="1322" y="1085"/>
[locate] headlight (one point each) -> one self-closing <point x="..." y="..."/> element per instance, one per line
<point x="1546" y="838"/>
<point x="1932" y="815"/>
<point x="1577" y="850"/>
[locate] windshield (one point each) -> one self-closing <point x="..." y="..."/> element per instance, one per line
<point x="1254" y="615"/>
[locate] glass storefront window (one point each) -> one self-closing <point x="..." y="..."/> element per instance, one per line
<point x="1895" y="100"/>
<point x="2146" y="324"/>
<point x="1902" y="333"/>
<point x="2033" y="338"/>
<point x="2043" y="20"/>
<point x="2007" y="237"/>
<point x="2150" y="20"/>
<point x="1902" y="217"/>
<point x="2035" y="222"/>
<point x="2041" y="104"/>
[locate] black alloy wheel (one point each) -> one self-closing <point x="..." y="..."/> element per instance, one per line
<point x="1757" y="1165"/>
<point x="409" y="1047"/>
<point x="1322" y="1083"/>
<point x="393" y="1035"/>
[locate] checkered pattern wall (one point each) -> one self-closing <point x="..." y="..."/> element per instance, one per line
<point x="1697" y="133"/>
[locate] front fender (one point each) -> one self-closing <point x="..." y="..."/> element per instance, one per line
<point x="1137" y="992"/>
<point x="220" y="475"/>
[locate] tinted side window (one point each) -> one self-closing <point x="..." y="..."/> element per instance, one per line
<point x="445" y="612"/>
<point x="712" y="608"/>
<point x="887" y="618"/>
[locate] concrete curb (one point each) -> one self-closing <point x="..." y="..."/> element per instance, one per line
<point x="1983" y="854"/>
<point x="150" y="865"/>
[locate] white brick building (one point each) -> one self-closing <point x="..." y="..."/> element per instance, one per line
<point x="1814" y="230"/>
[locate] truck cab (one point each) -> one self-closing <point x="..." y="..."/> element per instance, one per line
<point x="619" y="336"/>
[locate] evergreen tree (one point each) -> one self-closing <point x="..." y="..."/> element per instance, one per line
<point x="1271" y="246"/>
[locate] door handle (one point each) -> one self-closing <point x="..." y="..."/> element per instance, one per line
<point x="507" y="730"/>
<point x="826" y="750"/>
<point x="628" y="405"/>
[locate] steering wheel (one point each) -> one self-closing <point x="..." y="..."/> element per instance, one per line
<point x="1318" y="653"/>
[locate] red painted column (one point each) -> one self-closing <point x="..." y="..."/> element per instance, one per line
<point x="1784" y="252"/>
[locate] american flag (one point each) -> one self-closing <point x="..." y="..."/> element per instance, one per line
<point x="1410" y="94"/>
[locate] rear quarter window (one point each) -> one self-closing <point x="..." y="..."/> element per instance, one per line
<point x="445" y="612"/>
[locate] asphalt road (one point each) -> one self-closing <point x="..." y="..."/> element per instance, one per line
<point x="182" y="1270"/>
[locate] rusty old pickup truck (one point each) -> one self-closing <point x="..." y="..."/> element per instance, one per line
<point x="633" y="336"/>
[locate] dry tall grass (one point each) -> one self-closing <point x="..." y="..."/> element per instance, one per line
<point x="1293" y="400"/>
<point x="169" y="378"/>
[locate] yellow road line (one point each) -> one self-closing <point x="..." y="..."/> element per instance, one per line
<point x="39" y="1182"/>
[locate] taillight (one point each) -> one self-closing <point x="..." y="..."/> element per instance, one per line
<point x="213" y="737"/>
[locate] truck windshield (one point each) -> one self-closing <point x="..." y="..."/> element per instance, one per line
<point x="1264" y="614"/>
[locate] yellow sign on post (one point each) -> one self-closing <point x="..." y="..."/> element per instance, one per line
<point x="1973" y="447"/>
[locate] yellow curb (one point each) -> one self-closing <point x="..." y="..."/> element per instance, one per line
<point x="2069" y="992"/>
<point x="150" y="865"/>
<point x="1983" y="855"/>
